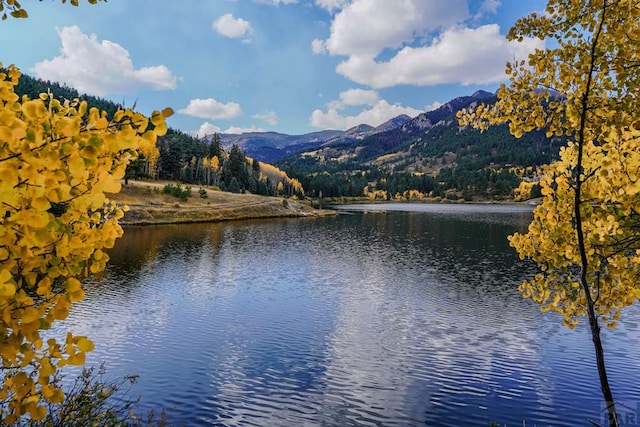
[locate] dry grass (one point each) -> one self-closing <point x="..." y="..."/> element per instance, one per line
<point x="149" y="205"/>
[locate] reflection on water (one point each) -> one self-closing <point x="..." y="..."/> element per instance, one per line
<point x="374" y="317"/>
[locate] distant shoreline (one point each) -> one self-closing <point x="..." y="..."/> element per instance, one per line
<point x="148" y="205"/>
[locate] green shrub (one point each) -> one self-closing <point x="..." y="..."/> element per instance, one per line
<point x="177" y="191"/>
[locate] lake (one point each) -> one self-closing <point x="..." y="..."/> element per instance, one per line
<point x="385" y="315"/>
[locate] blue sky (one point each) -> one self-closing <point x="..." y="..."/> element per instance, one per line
<point x="291" y="66"/>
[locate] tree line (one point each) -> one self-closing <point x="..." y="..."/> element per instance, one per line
<point x="181" y="156"/>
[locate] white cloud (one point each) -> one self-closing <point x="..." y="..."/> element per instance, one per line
<point x="239" y="130"/>
<point x="211" y="109"/>
<point x="366" y="27"/>
<point x="318" y="46"/>
<point x="418" y="42"/>
<point x="378" y="112"/>
<point x="331" y="4"/>
<point x="100" y="68"/>
<point x="489" y="6"/>
<point x="232" y="28"/>
<point x="460" y="55"/>
<point x="353" y="97"/>
<point x="433" y="106"/>
<point x="270" y="117"/>
<point x="209" y="129"/>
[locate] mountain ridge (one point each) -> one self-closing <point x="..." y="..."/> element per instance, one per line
<point x="272" y="146"/>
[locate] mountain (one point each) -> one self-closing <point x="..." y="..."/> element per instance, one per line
<point x="430" y="153"/>
<point x="394" y="135"/>
<point x="393" y="123"/>
<point x="270" y="147"/>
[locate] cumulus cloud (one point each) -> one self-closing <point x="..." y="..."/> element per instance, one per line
<point x="418" y="42"/>
<point x="378" y="111"/>
<point x="353" y="97"/>
<point x="270" y="117"/>
<point x="211" y="109"/>
<point x="433" y="106"/>
<point x="459" y="56"/>
<point x="232" y="27"/>
<point x="209" y="129"/>
<point x="366" y="27"/>
<point x="100" y="67"/>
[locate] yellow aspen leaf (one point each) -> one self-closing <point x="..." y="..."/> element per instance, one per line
<point x="47" y="369"/>
<point x="40" y="203"/>
<point x="77" y="359"/>
<point x="110" y="185"/>
<point x="161" y="129"/>
<point x="56" y="220"/>
<point x="47" y="391"/>
<point x="19" y="133"/>
<point x="85" y="344"/>
<point x="7" y="290"/>
<point x="76" y="296"/>
<point x="76" y="165"/>
<point x="37" y="412"/>
<point x="30" y="314"/>
<point x="167" y="112"/>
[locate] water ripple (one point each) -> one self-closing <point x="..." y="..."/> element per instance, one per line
<point x="368" y="319"/>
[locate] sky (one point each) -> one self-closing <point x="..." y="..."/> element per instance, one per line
<point x="289" y="66"/>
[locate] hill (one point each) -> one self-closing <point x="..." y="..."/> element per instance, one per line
<point x="429" y="153"/>
<point x="404" y="158"/>
<point x="148" y="204"/>
<point x="271" y="147"/>
<point x="183" y="157"/>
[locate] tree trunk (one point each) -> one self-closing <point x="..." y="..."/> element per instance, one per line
<point x="584" y="281"/>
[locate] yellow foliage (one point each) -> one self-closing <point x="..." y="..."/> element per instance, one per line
<point x="610" y="227"/>
<point x="278" y="176"/>
<point x="56" y="162"/>
<point x="523" y="192"/>
<point x="585" y="236"/>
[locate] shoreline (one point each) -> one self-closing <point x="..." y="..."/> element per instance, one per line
<point x="148" y="205"/>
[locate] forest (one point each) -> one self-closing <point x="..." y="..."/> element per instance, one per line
<point x="444" y="162"/>
<point x="183" y="157"/>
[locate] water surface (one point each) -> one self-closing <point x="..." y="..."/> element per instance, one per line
<point x="385" y="315"/>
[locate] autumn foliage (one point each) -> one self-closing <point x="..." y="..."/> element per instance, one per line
<point x="611" y="191"/>
<point x="584" y="90"/>
<point x="58" y="160"/>
<point x="585" y="236"/>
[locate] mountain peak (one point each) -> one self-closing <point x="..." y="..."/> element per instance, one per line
<point x="392" y="123"/>
<point x="481" y="94"/>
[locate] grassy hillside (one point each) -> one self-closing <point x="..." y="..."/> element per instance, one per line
<point x="149" y="205"/>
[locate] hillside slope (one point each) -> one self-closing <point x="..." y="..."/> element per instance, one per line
<point x="149" y="205"/>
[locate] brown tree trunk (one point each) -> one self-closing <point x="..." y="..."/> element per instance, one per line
<point x="584" y="281"/>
